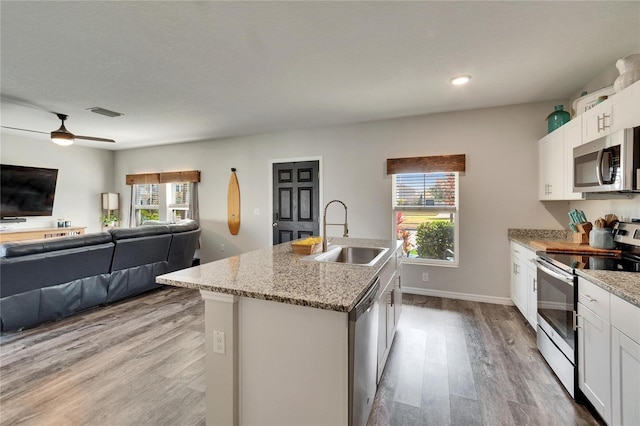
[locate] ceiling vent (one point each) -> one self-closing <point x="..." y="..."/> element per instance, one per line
<point x="106" y="112"/>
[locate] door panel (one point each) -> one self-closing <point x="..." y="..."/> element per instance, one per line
<point x="296" y="201"/>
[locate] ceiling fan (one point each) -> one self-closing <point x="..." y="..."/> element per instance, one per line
<point x="62" y="136"/>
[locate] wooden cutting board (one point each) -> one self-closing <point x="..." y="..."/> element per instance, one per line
<point x="569" y="247"/>
<point x="233" y="204"/>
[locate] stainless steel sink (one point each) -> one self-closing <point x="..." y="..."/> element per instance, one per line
<point x="350" y="254"/>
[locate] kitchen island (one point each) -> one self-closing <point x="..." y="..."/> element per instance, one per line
<point x="277" y="332"/>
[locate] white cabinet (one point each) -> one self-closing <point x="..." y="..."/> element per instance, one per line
<point x="555" y="151"/>
<point x="572" y="138"/>
<point x="532" y="294"/>
<point x="555" y="162"/>
<point x="390" y="307"/>
<point x="620" y="111"/>
<point x="625" y="362"/>
<point x="551" y="166"/>
<point x="594" y="347"/>
<point x="523" y="282"/>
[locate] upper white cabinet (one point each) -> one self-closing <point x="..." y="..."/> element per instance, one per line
<point x="555" y="151"/>
<point x="551" y="166"/>
<point x="555" y="162"/>
<point x="620" y="111"/>
<point x="572" y="138"/>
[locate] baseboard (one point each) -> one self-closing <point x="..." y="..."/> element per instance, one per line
<point x="460" y="296"/>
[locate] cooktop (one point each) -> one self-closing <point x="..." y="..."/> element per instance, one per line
<point x="624" y="262"/>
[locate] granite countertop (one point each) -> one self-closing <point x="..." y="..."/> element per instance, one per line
<point x="276" y="273"/>
<point x="625" y="285"/>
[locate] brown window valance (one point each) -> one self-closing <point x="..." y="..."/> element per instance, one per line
<point x="168" y="177"/>
<point x="436" y="163"/>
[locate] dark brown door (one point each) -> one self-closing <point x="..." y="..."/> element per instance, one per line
<point x="296" y="198"/>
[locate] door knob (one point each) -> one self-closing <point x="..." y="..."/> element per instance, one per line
<point x="274" y="224"/>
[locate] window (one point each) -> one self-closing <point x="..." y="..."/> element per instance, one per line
<point x="161" y="201"/>
<point x="426" y="216"/>
<point x="147" y="203"/>
<point x="178" y="201"/>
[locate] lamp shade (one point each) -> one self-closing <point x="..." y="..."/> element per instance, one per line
<point x="110" y="200"/>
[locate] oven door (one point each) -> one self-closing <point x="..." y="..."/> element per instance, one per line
<point x="556" y="306"/>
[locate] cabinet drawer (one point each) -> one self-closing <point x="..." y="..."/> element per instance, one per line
<point x="626" y="318"/>
<point x="386" y="274"/>
<point x="594" y="298"/>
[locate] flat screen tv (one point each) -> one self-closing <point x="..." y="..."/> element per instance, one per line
<point x="26" y="191"/>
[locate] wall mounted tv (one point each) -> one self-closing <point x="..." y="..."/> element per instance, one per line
<point x="26" y="191"/>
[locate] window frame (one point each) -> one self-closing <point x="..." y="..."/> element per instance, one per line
<point x="166" y="205"/>
<point x="455" y="210"/>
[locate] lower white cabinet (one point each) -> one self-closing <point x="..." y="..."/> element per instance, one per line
<point x="594" y="359"/>
<point x="524" y="282"/>
<point x="625" y="362"/>
<point x="609" y="354"/>
<point x="389" y="308"/>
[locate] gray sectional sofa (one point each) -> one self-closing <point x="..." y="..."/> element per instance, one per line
<point x="51" y="279"/>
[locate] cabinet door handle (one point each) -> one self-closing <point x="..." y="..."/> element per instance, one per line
<point x="535" y="285"/>
<point x="575" y="321"/>
<point x="589" y="298"/>
<point x="599" y="120"/>
<point x="604" y="121"/>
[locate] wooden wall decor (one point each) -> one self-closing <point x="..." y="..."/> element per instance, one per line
<point x="433" y="164"/>
<point x="166" y="177"/>
<point x="233" y="204"/>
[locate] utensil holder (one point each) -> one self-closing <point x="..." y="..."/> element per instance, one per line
<point x="582" y="236"/>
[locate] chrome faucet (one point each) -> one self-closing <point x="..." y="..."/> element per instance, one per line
<point x="324" y="223"/>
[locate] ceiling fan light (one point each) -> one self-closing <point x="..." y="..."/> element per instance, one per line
<point x="62" y="138"/>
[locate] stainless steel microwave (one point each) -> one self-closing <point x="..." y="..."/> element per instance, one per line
<point x="608" y="164"/>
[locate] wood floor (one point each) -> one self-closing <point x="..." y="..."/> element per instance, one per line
<point x="141" y="362"/>
<point x="466" y="363"/>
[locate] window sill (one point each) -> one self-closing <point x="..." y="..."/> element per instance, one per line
<point x="426" y="262"/>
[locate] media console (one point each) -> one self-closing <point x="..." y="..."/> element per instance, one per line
<point x="39" y="233"/>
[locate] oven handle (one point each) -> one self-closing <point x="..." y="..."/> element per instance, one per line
<point x="562" y="277"/>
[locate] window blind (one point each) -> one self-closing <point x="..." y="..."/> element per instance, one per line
<point x="420" y="190"/>
<point x="146" y="195"/>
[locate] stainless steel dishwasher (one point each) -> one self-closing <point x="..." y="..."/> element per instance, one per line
<point x="363" y="347"/>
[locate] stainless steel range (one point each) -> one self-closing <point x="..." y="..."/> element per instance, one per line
<point x="558" y="295"/>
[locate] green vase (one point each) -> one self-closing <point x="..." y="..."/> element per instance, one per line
<point x="557" y="118"/>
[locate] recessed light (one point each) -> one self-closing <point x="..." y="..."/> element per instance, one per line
<point x="460" y="80"/>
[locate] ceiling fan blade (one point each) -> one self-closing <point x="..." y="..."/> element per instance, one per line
<point x="24" y="103"/>
<point x="91" y="138"/>
<point x="24" y="130"/>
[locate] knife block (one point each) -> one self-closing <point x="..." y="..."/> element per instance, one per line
<point x="582" y="236"/>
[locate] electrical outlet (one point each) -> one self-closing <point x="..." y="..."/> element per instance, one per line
<point x="425" y="276"/>
<point x="218" y="342"/>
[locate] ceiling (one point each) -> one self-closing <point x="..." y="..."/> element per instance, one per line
<point x="184" y="71"/>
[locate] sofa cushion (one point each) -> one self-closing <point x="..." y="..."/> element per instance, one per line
<point x="184" y="226"/>
<point x="40" y="270"/>
<point x="26" y="248"/>
<point x="132" y="252"/>
<point x="141" y="231"/>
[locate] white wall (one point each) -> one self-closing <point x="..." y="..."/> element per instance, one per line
<point x="498" y="191"/>
<point x="83" y="173"/>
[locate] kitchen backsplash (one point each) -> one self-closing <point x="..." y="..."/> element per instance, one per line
<point x="593" y="209"/>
